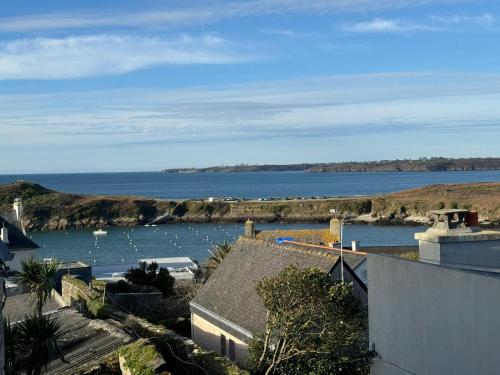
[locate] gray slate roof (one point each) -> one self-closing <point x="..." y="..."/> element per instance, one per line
<point x="230" y="290"/>
<point x="17" y="239"/>
<point x="18" y="306"/>
<point x="85" y="342"/>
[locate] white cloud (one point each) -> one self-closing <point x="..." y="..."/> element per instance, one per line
<point x="380" y="25"/>
<point x="316" y="107"/>
<point x="485" y="19"/>
<point x="195" y="15"/>
<point x="84" y="56"/>
<point x="437" y="23"/>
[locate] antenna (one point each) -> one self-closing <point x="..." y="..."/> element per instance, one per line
<point x="341" y="250"/>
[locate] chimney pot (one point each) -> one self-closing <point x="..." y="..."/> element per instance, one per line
<point x="472" y="219"/>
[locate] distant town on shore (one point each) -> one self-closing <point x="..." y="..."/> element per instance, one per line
<point x="433" y="164"/>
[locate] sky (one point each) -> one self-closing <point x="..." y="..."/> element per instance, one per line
<point x="118" y="85"/>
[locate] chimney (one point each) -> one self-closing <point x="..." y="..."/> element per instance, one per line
<point x="472" y="219"/>
<point x="455" y="240"/>
<point x="249" y="228"/>
<point x="18" y="208"/>
<point x="354" y="245"/>
<point x="4" y="235"/>
<point x="335" y="229"/>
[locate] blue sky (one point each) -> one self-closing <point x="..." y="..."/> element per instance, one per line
<point x="145" y="85"/>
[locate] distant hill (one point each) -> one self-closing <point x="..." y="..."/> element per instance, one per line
<point x="46" y="209"/>
<point x="406" y="165"/>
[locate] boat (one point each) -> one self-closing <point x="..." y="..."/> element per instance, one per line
<point x="100" y="232"/>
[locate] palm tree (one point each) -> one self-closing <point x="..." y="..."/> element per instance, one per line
<point x="36" y="339"/>
<point x="10" y="347"/>
<point x="218" y="253"/>
<point x="38" y="278"/>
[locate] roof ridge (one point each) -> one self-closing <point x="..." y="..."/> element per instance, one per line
<point x="295" y="247"/>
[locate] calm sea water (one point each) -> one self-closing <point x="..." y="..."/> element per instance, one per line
<point x="247" y="185"/>
<point x="127" y="245"/>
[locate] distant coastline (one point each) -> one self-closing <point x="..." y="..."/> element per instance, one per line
<point x="437" y="164"/>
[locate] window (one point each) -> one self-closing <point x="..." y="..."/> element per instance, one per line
<point x="232" y="351"/>
<point x="222" y="345"/>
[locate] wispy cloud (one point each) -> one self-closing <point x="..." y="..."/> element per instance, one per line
<point x="197" y="14"/>
<point x="289" y="33"/>
<point x="485" y="19"/>
<point x="380" y="25"/>
<point x="84" y="56"/>
<point x="431" y="24"/>
<point x="317" y="107"/>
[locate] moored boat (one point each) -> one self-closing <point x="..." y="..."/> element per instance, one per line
<point x="100" y="232"/>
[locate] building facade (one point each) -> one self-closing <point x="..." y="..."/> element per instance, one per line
<point x="227" y="312"/>
<point x="437" y="315"/>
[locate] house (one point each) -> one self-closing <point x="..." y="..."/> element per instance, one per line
<point x="13" y="235"/>
<point x="438" y="314"/>
<point x="227" y="312"/>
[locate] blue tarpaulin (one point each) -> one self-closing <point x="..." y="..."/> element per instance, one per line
<point x="283" y="239"/>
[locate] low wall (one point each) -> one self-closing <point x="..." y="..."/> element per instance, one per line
<point x="74" y="290"/>
<point x="135" y="302"/>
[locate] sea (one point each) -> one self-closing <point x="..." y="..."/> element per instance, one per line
<point x="127" y="245"/>
<point x="247" y="185"/>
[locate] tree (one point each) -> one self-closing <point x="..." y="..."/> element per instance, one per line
<point x="36" y="342"/>
<point x="313" y="326"/>
<point x="148" y="274"/>
<point x="217" y="255"/>
<point x="10" y="345"/>
<point x="38" y="278"/>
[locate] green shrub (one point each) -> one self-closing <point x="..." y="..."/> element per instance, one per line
<point x="140" y="357"/>
<point x="98" y="309"/>
<point x="213" y="364"/>
<point x="148" y="274"/>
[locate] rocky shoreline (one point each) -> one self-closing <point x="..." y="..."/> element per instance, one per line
<point x="46" y="209"/>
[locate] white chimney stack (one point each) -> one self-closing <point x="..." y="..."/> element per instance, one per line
<point x="18" y="208"/>
<point x="453" y="240"/>
<point x="354" y="245"/>
<point x="4" y="235"/>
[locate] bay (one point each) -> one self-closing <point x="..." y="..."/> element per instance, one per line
<point x="247" y="185"/>
<point x="127" y="245"/>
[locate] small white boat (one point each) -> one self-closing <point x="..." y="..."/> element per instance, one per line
<point x="100" y="232"/>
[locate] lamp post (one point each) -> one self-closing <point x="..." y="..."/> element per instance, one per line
<point x="342" y="224"/>
<point x="341" y="250"/>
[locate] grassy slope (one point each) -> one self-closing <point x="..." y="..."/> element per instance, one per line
<point x="48" y="209"/>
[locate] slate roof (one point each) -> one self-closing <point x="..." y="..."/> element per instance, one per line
<point x="84" y="343"/>
<point x="17" y="306"/>
<point x="17" y="239"/>
<point x="230" y="290"/>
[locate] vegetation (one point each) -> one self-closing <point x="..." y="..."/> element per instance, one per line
<point x="140" y="357"/>
<point x="31" y="344"/>
<point x="313" y="326"/>
<point x="216" y="365"/>
<point x="150" y="275"/>
<point x="47" y="209"/>
<point x="217" y="255"/>
<point x="38" y="278"/>
<point x="422" y="164"/>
